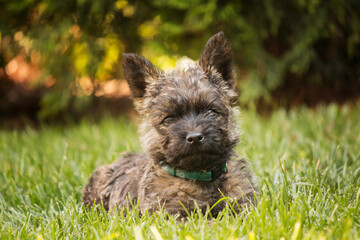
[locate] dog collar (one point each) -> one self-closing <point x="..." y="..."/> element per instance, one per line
<point x="205" y="175"/>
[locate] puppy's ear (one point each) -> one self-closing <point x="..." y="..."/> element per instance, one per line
<point x="138" y="72"/>
<point x="217" y="56"/>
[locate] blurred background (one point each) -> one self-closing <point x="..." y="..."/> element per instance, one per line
<point x="61" y="60"/>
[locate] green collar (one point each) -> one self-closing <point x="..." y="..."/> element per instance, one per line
<point x="204" y="175"/>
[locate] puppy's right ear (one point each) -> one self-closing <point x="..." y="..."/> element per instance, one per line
<point x="217" y="56"/>
<point x="138" y="72"/>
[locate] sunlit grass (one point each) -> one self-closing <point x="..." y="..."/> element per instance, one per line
<point x="307" y="162"/>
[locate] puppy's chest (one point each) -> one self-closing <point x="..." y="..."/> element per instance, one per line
<point x="160" y="186"/>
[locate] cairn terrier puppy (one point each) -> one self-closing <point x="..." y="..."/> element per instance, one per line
<point x="189" y="131"/>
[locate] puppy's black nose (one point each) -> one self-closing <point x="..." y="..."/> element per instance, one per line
<point x="194" y="137"/>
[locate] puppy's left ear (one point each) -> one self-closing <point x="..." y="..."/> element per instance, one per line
<point x="217" y="56"/>
<point x="139" y="72"/>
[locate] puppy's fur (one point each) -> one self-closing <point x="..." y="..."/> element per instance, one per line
<point x="189" y="123"/>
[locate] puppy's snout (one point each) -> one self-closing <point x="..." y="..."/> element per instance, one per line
<point x="194" y="138"/>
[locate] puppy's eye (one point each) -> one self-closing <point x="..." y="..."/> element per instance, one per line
<point x="167" y="121"/>
<point x="212" y="114"/>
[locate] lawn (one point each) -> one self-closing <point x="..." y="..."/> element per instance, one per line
<point x="307" y="163"/>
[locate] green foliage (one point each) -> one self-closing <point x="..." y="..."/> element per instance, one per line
<point x="276" y="43"/>
<point x="307" y="164"/>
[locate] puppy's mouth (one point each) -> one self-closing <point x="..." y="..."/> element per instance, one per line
<point x="196" y="160"/>
<point x="196" y="156"/>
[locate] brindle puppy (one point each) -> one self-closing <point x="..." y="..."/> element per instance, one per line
<point x="189" y="132"/>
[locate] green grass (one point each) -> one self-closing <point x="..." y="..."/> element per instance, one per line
<point x="307" y="163"/>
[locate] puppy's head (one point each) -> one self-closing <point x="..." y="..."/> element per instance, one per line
<point x="188" y="114"/>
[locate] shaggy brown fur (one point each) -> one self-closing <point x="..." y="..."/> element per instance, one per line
<point x="189" y="122"/>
